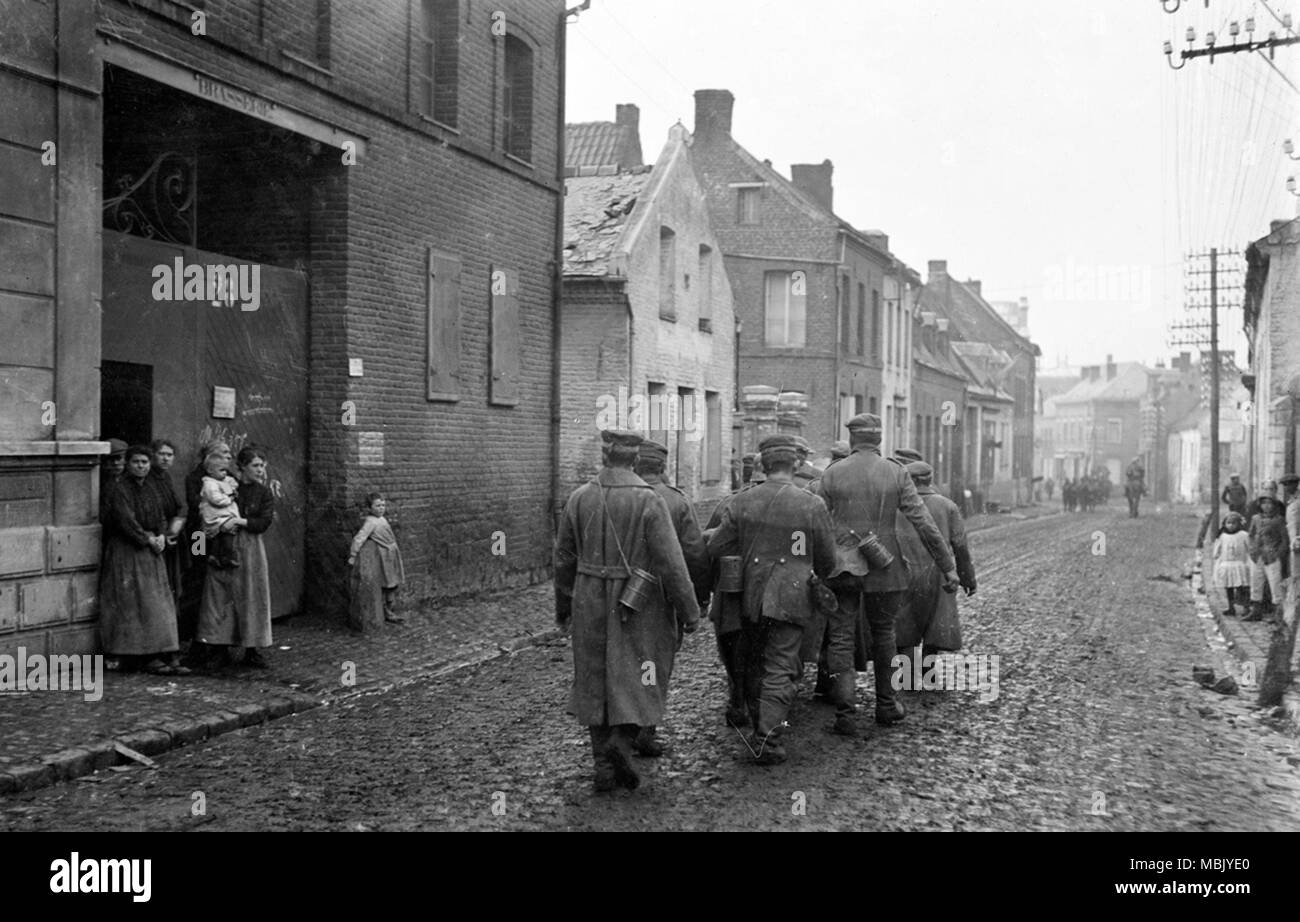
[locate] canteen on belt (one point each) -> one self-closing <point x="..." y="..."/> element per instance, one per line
<point x="731" y="571"/>
<point x="637" y="589"/>
<point x="877" y="555"/>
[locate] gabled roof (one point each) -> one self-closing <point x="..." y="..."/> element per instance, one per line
<point x="1129" y="383"/>
<point x="591" y="148"/>
<point x="976" y="320"/>
<point x="597" y="212"/>
<point x="814" y="210"/>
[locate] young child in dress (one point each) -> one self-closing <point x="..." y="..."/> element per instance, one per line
<point x="1232" y="562"/>
<point x="217" y="505"/>
<point x="377" y="572"/>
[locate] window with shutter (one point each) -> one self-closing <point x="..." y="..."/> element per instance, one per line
<point x="505" y="390"/>
<point x="712" y="437"/>
<point x="443" y="306"/>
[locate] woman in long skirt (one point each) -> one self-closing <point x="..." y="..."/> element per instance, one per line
<point x="137" y="612"/>
<point x="236" y="608"/>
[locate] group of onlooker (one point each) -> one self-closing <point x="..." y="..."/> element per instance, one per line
<point x="1250" y="553"/>
<point x="184" y="577"/>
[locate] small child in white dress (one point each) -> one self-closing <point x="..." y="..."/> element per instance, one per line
<point x="1232" y="562"/>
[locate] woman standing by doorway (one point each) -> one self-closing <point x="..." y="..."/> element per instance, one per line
<point x="236" y="606"/>
<point x="137" y="612"/>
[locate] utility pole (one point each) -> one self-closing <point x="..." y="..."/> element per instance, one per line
<point x="1204" y="335"/>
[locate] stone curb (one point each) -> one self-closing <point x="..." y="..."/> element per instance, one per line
<point x="68" y="764"/>
<point x="1290" y="698"/>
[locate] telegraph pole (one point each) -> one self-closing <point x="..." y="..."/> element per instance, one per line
<point x="1204" y="335"/>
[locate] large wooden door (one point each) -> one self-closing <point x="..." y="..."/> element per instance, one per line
<point x="193" y="347"/>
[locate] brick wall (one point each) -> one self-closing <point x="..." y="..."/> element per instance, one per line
<point x="594" y="363"/>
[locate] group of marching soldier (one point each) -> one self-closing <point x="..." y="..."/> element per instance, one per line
<point x="858" y="562"/>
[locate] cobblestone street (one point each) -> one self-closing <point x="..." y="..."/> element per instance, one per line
<point x="1097" y="725"/>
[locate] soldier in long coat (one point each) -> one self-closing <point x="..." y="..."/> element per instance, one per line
<point x="622" y="659"/>
<point x="651" y="460"/>
<point x="929" y="617"/>
<point x="864" y="492"/>
<point x="783" y="535"/>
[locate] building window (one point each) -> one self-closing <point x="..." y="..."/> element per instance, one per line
<point x="505" y="342"/>
<point x="712" y="437"/>
<point x="657" y="413"/>
<point x="1114" y="430"/>
<point x="875" y="324"/>
<point x="858" y="401"/>
<point x="704" y="288"/>
<point x="667" y="274"/>
<point x="846" y="316"/>
<point x="862" y="319"/>
<point x="517" y="101"/>
<point x="442" y="309"/>
<point x="435" y="60"/>
<point x="889" y="334"/>
<point x="786" y="299"/>
<point x="875" y="410"/>
<point x="304" y="30"/>
<point x="747" y="205"/>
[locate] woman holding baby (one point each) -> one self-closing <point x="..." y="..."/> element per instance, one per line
<point x="236" y="606"/>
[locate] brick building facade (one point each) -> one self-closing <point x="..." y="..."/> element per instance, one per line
<point x="1272" y="324"/>
<point x="391" y="169"/>
<point x="813" y="294"/>
<point x="648" y="326"/>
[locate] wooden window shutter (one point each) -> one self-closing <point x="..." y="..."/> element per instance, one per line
<point x="505" y="337"/>
<point x="444" y="326"/>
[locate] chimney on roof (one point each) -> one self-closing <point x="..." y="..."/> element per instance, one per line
<point x="976" y="286"/>
<point x="814" y="181"/>
<point x="627" y="115"/>
<point x="938" y="270"/>
<point x="878" y="238"/>
<point x="1110" y="368"/>
<point x="713" y="114"/>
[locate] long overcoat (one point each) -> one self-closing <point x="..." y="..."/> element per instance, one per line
<point x="622" y="660"/>
<point x="929" y="614"/>
<point x="687" y="528"/>
<point x="784" y="535"/>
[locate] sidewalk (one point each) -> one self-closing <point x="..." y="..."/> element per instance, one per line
<point x="1247" y="642"/>
<point x="47" y="737"/>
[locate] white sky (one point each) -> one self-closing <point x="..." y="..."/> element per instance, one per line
<point x="1043" y="147"/>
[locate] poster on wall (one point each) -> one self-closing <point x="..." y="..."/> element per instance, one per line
<point x="223" y="403"/>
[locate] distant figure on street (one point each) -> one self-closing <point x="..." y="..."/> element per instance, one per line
<point x="624" y="593"/>
<point x="1067" y="495"/>
<point x="1135" y="485"/>
<point x="1050" y="486"/>
<point x="1234" y="494"/>
<point x="376" y="569"/>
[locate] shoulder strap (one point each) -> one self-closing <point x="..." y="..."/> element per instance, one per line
<point x="617" y="543"/>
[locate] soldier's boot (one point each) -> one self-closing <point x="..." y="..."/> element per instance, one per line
<point x="843" y="691"/>
<point x="767" y="747"/>
<point x="646" y="745"/>
<point x="1256" y="612"/>
<point x="604" y="780"/>
<point x="889" y="710"/>
<point x="619" y="753"/>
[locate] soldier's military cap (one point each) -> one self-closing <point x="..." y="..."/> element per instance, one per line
<point x="864" y="422"/>
<point x="1289" y="478"/>
<point x="651" y="450"/>
<point x="778" y="448"/>
<point x="116" y="447"/>
<point x="920" y="469"/>
<point x="621" y="437"/>
<point x="801" y="444"/>
<point x="840" y="450"/>
<point x="908" y="454"/>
